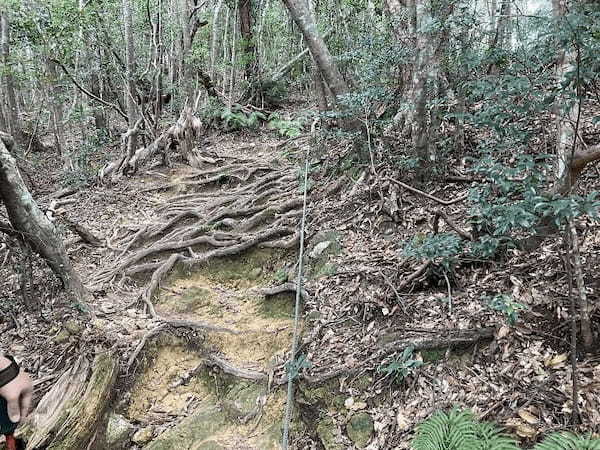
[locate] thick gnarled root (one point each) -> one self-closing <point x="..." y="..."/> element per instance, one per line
<point x="226" y="210"/>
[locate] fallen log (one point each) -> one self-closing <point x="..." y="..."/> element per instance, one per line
<point x="70" y="414"/>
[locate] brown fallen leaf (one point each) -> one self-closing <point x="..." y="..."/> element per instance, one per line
<point x="556" y="361"/>
<point x="527" y="416"/>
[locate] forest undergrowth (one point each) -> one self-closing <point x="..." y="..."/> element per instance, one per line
<point x="397" y="333"/>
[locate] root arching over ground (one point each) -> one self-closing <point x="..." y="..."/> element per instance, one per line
<point x="231" y="206"/>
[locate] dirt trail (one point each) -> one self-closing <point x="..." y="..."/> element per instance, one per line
<point x="216" y="237"/>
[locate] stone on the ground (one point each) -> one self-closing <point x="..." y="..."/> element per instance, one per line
<point x="73" y="327"/>
<point x="319" y="249"/>
<point x="118" y="431"/>
<point x="360" y="429"/>
<point x="143" y="436"/>
<point x="199" y="427"/>
<point x="327" y="432"/>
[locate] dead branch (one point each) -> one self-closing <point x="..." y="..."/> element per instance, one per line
<point x="425" y="194"/>
<point x="436" y="219"/>
<point x="84" y="233"/>
<point x="86" y="92"/>
<point x="416" y="274"/>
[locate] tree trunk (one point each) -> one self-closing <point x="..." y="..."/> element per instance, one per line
<point x="418" y="118"/>
<point x="214" y="39"/>
<point x="130" y="86"/>
<point x="57" y="116"/>
<point x="70" y="415"/>
<point x="320" y="91"/>
<point x="14" y="126"/>
<point x="248" y="48"/>
<point x="27" y="218"/>
<point x="301" y="15"/>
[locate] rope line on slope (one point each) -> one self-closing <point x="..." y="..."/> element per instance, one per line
<point x="290" y="386"/>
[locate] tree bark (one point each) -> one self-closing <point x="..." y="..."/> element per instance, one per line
<point x="70" y="415"/>
<point x="417" y="120"/>
<point x="57" y="116"/>
<point x="14" y="126"/>
<point x="26" y="217"/>
<point x="250" y="63"/>
<point x="130" y="86"/>
<point x="214" y="38"/>
<point x="301" y="15"/>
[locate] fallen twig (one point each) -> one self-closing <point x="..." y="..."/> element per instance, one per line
<point x="425" y="194"/>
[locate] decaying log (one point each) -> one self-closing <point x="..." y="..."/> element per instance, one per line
<point x="69" y="415"/>
<point x="442" y="339"/>
<point x="179" y="136"/>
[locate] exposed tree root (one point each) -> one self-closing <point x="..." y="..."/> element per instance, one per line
<point x="238" y="372"/>
<point x="394" y="343"/>
<point x="226" y="211"/>
<point x="285" y="287"/>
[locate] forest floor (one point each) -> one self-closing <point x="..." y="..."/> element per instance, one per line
<point x="366" y="303"/>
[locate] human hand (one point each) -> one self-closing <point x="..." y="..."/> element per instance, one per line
<point x="17" y="393"/>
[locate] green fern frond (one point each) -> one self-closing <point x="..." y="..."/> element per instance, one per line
<point x="492" y="438"/>
<point x="458" y="430"/>
<point x="568" y="441"/>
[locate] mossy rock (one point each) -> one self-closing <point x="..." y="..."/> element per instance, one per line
<point x="328" y="434"/>
<point x="240" y="401"/>
<point x="324" y="245"/>
<point x="118" y="431"/>
<point x="209" y="445"/>
<point x="197" y="428"/>
<point x="323" y="395"/>
<point x="360" y="429"/>
<point x="271" y="438"/>
<point x="280" y="306"/>
<point x="433" y="355"/>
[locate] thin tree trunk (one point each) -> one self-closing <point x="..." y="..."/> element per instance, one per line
<point x="301" y="15"/>
<point x="186" y="42"/>
<point x="27" y="218"/>
<point x="233" y="57"/>
<point x="321" y="94"/>
<point x="57" y="116"/>
<point x="249" y="50"/>
<point x="130" y="86"/>
<point x="224" y="54"/>
<point x="584" y="306"/>
<point x="214" y="38"/>
<point x="14" y="125"/>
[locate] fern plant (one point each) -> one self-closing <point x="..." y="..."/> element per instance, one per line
<point x="458" y="430"/>
<point x="236" y="120"/>
<point x="285" y="128"/>
<point x="568" y="441"/>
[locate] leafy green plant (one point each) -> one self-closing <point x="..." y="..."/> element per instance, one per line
<point x="286" y="128"/>
<point x="403" y="366"/>
<point x="459" y="430"/>
<point x="568" y="441"/>
<point x="442" y="249"/>
<point x="293" y="368"/>
<point x="236" y="120"/>
<point x="505" y="304"/>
